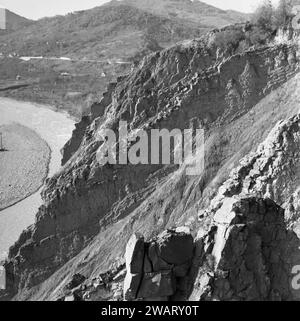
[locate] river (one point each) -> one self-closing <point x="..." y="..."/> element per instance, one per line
<point x="56" y="129"/>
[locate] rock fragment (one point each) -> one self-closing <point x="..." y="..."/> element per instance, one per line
<point x="166" y="263"/>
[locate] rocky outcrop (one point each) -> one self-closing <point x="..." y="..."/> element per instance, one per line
<point x="248" y="254"/>
<point x="271" y="170"/>
<point x="158" y="270"/>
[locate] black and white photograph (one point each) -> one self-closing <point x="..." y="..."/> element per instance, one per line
<point x="149" y="152"/>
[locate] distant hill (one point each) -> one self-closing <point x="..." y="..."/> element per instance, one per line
<point x="191" y="11"/>
<point x="118" y="29"/>
<point x="10" y="21"/>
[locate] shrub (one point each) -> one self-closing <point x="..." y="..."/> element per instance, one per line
<point x="228" y="39"/>
<point x="264" y="16"/>
<point x="267" y="20"/>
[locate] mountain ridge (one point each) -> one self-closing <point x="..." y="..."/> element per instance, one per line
<point x="107" y="14"/>
<point x="188" y="10"/>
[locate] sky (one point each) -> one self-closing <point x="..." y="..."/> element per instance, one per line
<point x="35" y="9"/>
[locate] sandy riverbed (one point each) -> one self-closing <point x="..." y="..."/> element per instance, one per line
<point x="23" y="164"/>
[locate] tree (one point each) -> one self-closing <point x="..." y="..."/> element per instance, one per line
<point x="263" y="16"/>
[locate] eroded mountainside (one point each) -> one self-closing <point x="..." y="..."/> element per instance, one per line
<point x="243" y="230"/>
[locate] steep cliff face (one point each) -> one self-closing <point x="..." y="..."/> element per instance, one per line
<point x="90" y="211"/>
<point x="97" y="110"/>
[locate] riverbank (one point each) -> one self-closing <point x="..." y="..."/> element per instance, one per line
<point x="24" y="164"/>
<point x="55" y="128"/>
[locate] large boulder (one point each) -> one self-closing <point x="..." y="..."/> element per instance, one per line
<point x="154" y="268"/>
